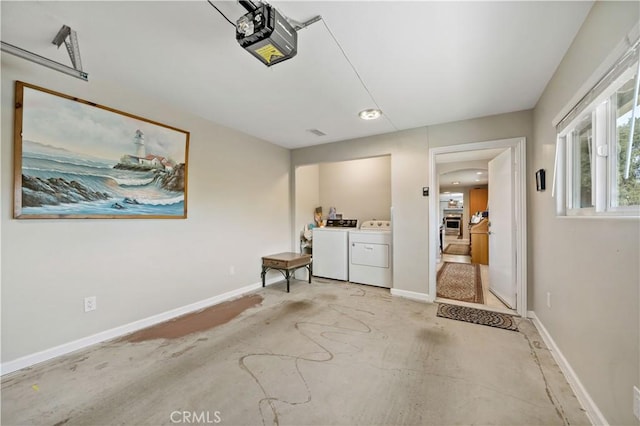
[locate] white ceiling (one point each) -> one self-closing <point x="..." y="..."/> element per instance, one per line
<point x="464" y="177"/>
<point x="459" y="167"/>
<point x="421" y="62"/>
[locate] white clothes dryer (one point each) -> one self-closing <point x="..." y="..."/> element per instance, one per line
<point x="370" y="254"/>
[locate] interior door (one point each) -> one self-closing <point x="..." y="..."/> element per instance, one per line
<point x="502" y="255"/>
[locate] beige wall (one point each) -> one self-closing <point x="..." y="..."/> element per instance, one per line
<point x="238" y="211"/>
<point x="590" y="266"/>
<point x="307" y="195"/>
<point x="409" y="152"/>
<point x="359" y="189"/>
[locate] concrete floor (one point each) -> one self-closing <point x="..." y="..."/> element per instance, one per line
<point x="328" y="353"/>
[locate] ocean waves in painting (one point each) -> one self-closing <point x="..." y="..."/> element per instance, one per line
<point x="110" y="191"/>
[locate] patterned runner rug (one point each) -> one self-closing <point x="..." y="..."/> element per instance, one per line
<point x="459" y="249"/>
<point x="477" y="316"/>
<point x="460" y="281"/>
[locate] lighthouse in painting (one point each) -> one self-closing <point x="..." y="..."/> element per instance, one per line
<point x="138" y="141"/>
<point x="141" y="161"/>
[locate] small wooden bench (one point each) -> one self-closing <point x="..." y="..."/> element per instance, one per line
<point x="287" y="263"/>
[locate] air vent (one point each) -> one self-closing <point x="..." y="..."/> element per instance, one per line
<point x="316" y="132"/>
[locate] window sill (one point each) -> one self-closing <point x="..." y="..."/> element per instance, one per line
<point x="625" y="216"/>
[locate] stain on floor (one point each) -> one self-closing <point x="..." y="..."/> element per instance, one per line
<point x="297" y="306"/>
<point x="433" y="336"/>
<point x="198" y="321"/>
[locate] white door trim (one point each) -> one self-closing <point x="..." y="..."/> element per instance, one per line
<point x="519" y="148"/>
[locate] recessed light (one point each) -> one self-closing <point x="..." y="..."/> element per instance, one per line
<point x="370" y="114"/>
<point x="455" y="183"/>
<point x="477" y="180"/>
<point x="478" y="173"/>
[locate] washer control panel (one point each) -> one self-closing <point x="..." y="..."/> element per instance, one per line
<point x="342" y="223"/>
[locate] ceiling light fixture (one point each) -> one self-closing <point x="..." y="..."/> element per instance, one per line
<point x="455" y="183"/>
<point x="370" y="114"/>
<point x="478" y="173"/>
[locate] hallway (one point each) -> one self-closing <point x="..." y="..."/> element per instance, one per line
<point x="491" y="302"/>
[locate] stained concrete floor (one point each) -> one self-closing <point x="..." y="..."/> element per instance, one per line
<point x="328" y="353"/>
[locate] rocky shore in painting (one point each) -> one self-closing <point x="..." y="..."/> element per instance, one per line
<point x="174" y="180"/>
<point x="37" y="192"/>
<point x="169" y="179"/>
<point x="133" y="167"/>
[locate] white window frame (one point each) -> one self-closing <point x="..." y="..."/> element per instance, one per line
<point x="603" y="158"/>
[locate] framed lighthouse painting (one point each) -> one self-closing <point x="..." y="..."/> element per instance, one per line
<point x="79" y="160"/>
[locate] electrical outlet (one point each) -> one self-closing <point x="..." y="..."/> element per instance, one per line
<point x="548" y="299"/>
<point x="90" y="304"/>
<point x="636" y="402"/>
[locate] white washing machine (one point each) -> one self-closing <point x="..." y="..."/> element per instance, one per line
<point x="331" y="249"/>
<point x="370" y="254"/>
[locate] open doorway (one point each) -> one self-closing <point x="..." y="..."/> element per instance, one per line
<point x="463" y="261"/>
<point x="467" y="169"/>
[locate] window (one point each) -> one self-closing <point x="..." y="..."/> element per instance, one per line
<point x="598" y="149"/>
<point x="582" y="156"/>
<point x="626" y="188"/>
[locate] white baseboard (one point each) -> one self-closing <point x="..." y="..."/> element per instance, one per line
<point x="421" y="297"/>
<point x="593" y="412"/>
<point x="66" y="348"/>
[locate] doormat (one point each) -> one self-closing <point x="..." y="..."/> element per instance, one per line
<point x="477" y="316"/>
<point x="460" y="281"/>
<point x="458" y="249"/>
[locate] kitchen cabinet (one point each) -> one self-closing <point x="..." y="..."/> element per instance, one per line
<point x="478" y="198"/>
<point x="480" y="242"/>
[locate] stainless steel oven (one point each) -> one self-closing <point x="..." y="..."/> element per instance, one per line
<point x="452" y="222"/>
<point x="452" y="225"/>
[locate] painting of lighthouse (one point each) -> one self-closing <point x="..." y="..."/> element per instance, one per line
<point x="75" y="159"/>
<point x="139" y="141"/>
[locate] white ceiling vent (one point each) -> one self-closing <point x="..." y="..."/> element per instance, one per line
<point x="316" y="132"/>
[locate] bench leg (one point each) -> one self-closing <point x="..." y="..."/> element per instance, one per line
<point x="310" y="268"/>
<point x="264" y="272"/>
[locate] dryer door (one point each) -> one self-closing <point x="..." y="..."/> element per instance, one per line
<point x="370" y="254"/>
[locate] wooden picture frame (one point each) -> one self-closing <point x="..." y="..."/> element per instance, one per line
<point x="74" y="159"/>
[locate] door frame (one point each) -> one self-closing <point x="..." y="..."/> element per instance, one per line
<point x="518" y="146"/>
